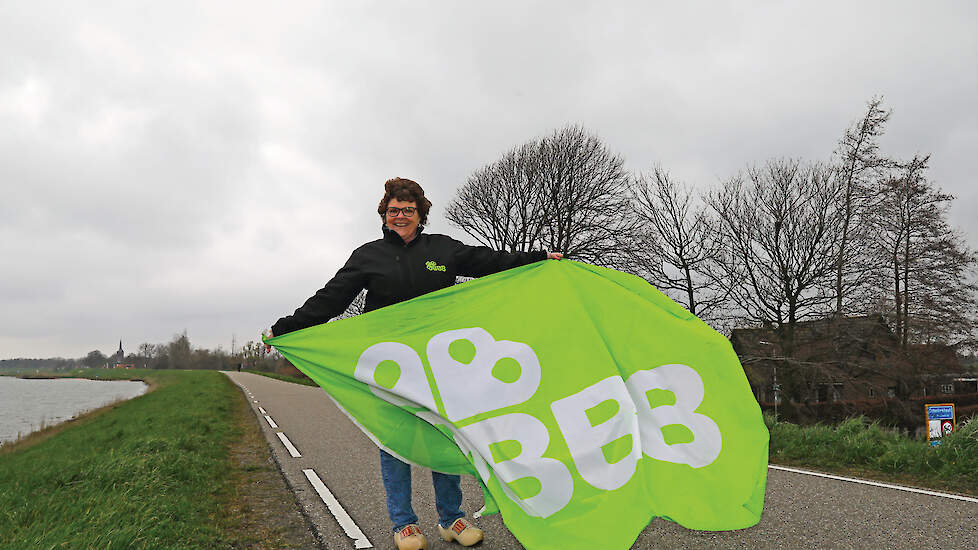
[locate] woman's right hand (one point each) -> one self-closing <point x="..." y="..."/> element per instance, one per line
<point x="268" y="348"/>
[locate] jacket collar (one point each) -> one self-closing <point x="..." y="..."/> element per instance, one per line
<point x="392" y="237"/>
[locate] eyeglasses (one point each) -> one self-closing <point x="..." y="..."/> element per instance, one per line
<point x="408" y="211"/>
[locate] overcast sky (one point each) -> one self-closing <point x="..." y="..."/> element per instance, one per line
<point x="170" y="166"/>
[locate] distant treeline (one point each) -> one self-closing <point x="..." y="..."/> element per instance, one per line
<point x="54" y="363"/>
<point x="178" y="353"/>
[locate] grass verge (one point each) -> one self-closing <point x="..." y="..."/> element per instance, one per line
<point x="295" y="379"/>
<point x="866" y="449"/>
<point x="153" y="472"/>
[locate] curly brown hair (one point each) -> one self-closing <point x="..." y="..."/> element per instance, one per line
<point x="404" y="190"/>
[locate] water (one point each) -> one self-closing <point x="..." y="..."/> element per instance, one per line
<point x="26" y="405"/>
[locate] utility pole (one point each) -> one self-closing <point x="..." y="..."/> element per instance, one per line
<point x="774" y="383"/>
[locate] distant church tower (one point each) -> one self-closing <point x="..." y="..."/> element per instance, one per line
<point x="118" y="356"/>
<point x="119" y="359"/>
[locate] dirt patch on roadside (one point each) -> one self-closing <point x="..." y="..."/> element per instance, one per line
<point x="262" y="512"/>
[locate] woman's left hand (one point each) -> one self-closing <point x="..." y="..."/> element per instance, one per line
<point x="554" y="256"/>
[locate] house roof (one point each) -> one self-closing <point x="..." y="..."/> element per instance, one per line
<point x="864" y="335"/>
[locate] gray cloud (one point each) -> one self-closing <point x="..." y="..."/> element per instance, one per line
<point x="206" y="167"/>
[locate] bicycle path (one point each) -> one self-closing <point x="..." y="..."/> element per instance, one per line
<point x="801" y="511"/>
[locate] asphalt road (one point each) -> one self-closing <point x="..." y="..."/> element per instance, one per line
<point x="800" y="511"/>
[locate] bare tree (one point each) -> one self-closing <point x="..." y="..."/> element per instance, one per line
<point x="355" y="308"/>
<point x="252" y="354"/>
<point x="859" y="165"/>
<point x="501" y="205"/>
<point x="779" y="229"/>
<point x="675" y="243"/>
<point x="178" y="351"/>
<point x="586" y="189"/>
<point x="95" y="358"/>
<point x="564" y="193"/>
<point x="927" y="264"/>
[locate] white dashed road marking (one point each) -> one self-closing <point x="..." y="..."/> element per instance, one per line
<point x="344" y="519"/>
<point x="875" y="484"/>
<point x="288" y="445"/>
<point x="271" y="422"/>
<point x="261" y="410"/>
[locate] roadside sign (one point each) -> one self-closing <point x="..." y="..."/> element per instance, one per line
<point x="940" y="421"/>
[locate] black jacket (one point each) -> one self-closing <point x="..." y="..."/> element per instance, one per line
<point x="393" y="272"/>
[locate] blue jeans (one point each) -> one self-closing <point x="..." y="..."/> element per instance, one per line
<point x="397" y="484"/>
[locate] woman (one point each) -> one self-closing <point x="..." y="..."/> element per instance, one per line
<point x="402" y="265"/>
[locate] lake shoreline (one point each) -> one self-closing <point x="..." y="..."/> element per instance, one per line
<point x="29" y="404"/>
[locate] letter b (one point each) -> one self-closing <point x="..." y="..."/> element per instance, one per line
<point x="556" y="483"/>
<point x="454" y="377"/>
<point x="687" y="386"/>
<point x="586" y="440"/>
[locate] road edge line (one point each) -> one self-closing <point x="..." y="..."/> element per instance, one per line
<point x="288" y="445"/>
<point x="875" y="483"/>
<point x="346" y="522"/>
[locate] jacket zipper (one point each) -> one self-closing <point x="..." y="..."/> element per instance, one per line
<point x="408" y="270"/>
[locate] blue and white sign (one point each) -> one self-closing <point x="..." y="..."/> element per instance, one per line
<point x="940" y="422"/>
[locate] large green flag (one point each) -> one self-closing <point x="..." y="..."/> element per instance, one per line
<point x="585" y="400"/>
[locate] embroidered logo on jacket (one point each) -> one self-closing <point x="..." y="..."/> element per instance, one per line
<point x="432" y="266"/>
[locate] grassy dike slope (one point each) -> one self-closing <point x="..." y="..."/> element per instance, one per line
<point x="152" y="472"/>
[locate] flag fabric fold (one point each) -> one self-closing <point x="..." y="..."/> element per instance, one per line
<point x="585" y="401"/>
